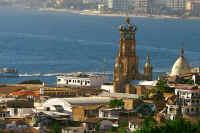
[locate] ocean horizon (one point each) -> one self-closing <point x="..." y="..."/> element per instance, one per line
<point x="34" y="41"/>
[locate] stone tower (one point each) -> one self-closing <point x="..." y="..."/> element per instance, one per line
<point x="148" y="69"/>
<point x="126" y="66"/>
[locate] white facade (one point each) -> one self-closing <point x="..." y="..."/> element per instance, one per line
<point x="141" y="6"/>
<point x="148" y="83"/>
<point x="4" y="100"/>
<point x="188" y="100"/>
<point x="68" y="103"/>
<point x="134" y="125"/>
<point x="19" y="112"/>
<point x="187" y="93"/>
<point x="118" y="4"/>
<point x="176" y="4"/>
<point x="91" y="1"/>
<point x="108" y="87"/>
<point x="109" y="113"/>
<point x="172" y="111"/>
<point x="81" y="81"/>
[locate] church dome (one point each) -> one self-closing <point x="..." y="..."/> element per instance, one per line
<point x="181" y="66"/>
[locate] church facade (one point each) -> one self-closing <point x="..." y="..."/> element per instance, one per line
<point x="126" y="67"/>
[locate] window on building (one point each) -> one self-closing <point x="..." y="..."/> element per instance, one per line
<point x="197" y="109"/>
<point x="192" y="109"/>
<point x="172" y="110"/>
<point x="59" y="80"/>
<point x="48" y="109"/>
<point x="15" y="111"/>
<point x="91" y="113"/>
<point x="192" y="101"/>
<point x="69" y="80"/>
<point x="78" y="81"/>
<point x="59" y="108"/>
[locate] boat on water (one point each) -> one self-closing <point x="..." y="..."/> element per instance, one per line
<point x="8" y="73"/>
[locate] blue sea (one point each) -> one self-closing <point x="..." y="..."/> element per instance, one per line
<point x="34" y="41"/>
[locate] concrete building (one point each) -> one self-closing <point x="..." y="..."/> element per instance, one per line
<point x="141" y="6"/>
<point x="193" y="6"/>
<point x="176" y="4"/>
<point x="79" y="80"/>
<point x="68" y="103"/>
<point x="186" y="101"/>
<point x="108" y="87"/>
<point x="19" y="109"/>
<point x="110" y="113"/>
<point x="135" y="124"/>
<point x="121" y="5"/>
<point x="92" y="1"/>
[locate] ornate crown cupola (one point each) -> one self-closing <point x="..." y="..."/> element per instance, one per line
<point x="126" y="61"/>
<point x="127" y="31"/>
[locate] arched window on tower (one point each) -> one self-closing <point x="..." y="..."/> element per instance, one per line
<point x="124" y="49"/>
<point x="122" y="67"/>
<point x="132" y="68"/>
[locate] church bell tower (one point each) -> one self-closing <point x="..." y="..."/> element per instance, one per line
<point x="126" y="66"/>
<point x="148" y="69"/>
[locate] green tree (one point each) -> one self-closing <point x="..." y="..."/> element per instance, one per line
<point x="116" y="103"/>
<point x="98" y="126"/>
<point x="123" y="124"/>
<point x="149" y="122"/>
<point x="161" y="84"/>
<point x="56" y="127"/>
<point x="176" y="126"/>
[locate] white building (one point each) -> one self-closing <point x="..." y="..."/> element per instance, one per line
<point x="186" y="98"/>
<point x="81" y="80"/>
<point x="135" y="124"/>
<point x="19" y="109"/>
<point x="176" y="4"/>
<point x="141" y="6"/>
<point x="92" y="1"/>
<point x="119" y="95"/>
<point x="108" y="87"/>
<point x="110" y="113"/>
<point x="145" y="82"/>
<point x="4" y="100"/>
<point x="68" y="103"/>
<point x="190" y="100"/>
<point x="121" y="5"/>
